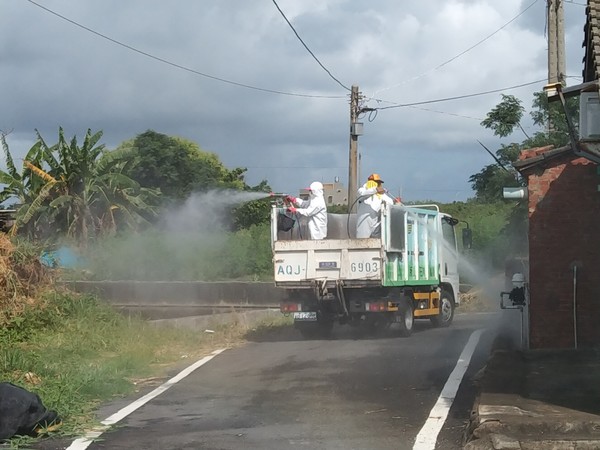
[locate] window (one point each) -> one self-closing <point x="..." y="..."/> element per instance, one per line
<point x="448" y="232"/>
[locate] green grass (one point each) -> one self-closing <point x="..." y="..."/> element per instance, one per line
<point x="76" y="352"/>
<point x="162" y="256"/>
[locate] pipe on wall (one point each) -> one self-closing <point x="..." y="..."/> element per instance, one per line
<point x="574" y="266"/>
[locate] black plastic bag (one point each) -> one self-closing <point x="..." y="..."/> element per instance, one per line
<point x="22" y="413"/>
<point x="285" y="223"/>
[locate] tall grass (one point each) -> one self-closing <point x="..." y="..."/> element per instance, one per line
<point x="183" y="256"/>
<point x="76" y="352"/>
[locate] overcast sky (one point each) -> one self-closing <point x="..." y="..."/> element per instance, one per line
<point x="55" y="73"/>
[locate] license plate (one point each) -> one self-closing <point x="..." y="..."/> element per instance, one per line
<point x="327" y="264"/>
<point x="305" y="316"/>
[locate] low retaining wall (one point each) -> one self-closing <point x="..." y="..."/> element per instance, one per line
<point x="246" y="319"/>
<point x="172" y="299"/>
<point x="190" y="293"/>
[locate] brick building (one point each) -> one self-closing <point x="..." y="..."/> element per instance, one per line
<point x="564" y="219"/>
<point x="564" y="247"/>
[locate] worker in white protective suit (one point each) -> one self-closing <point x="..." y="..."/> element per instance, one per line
<point x="314" y="209"/>
<point x="371" y="198"/>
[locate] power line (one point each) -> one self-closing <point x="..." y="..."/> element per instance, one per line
<point x="458" y="97"/>
<point x="575" y="3"/>
<point x="179" y="66"/>
<point x="308" y="49"/>
<point x="292" y="167"/>
<point x="394" y="105"/>
<point x="446" y="113"/>
<point x="461" y="53"/>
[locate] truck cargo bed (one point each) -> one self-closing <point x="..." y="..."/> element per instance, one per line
<point x="328" y="259"/>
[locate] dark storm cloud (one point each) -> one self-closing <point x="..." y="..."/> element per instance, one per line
<point x="54" y="73"/>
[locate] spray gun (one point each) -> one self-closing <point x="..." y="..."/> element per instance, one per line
<point x="280" y="199"/>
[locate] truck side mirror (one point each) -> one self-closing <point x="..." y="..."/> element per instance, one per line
<point x="467" y="238"/>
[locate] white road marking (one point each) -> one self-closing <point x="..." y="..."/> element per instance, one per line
<point x="427" y="437"/>
<point x="83" y="442"/>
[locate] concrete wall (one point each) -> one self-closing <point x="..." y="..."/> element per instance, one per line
<point x="165" y="299"/>
<point x="564" y="231"/>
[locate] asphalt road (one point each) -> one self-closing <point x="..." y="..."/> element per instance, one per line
<point x="282" y="392"/>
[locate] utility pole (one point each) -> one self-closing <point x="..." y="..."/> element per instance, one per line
<point x="355" y="131"/>
<point x="556" y="41"/>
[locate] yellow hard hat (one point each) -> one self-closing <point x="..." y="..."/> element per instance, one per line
<point x="375" y="177"/>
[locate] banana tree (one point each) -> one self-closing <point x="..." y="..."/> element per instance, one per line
<point x="76" y="191"/>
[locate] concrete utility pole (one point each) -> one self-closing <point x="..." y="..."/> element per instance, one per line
<point x="556" y="41"/>
<point x="355" y="131"/>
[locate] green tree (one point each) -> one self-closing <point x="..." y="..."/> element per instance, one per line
<point x="255" y="212"/>
<point x="551" y="117"/>
<point x="505" y="116"/>
<point x="509" y="235"/>
<point x="177" y="166"/>
<point x="503" y="119"/>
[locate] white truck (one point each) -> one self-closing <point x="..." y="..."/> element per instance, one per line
<point x="410" y="272"/>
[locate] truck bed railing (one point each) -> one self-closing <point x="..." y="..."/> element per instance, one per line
<point x="339" y="226"/>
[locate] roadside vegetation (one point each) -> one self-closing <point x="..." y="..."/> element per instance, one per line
<point x="124" y="214"/>
<point x="77" y="352"/>
<point x="243" y="255"/>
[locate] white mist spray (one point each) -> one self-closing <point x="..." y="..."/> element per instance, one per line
<point x="207" y="211"/>
<point x="488" y="286"/>
<point x="190" y="242"/>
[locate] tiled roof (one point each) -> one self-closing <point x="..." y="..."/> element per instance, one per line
<point x="591" y="60"/>
<point x="539" y="156"/>
<point x="548" y="155"/>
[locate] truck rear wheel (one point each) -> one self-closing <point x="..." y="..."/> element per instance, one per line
<point x="446" y="314"/>
<point x="406" y="317"/>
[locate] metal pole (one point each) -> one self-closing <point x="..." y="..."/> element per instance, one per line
<point x="522" y="330"/>
<point x="353" y="157"/>
<point x="575" y="305"/>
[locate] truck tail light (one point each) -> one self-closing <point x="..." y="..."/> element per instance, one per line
<point x="290" y="307"/>
<point x="376" y="307"/>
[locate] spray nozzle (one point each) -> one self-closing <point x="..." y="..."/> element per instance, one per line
<point x="279" y="198"/>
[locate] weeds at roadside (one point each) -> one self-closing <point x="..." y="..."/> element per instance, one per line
<point x="77" y="353"/>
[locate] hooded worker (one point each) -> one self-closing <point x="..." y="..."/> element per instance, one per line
<point x="314" y="209"/>
<point x="371" y="198"/>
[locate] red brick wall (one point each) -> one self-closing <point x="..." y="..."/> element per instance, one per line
<point x="564" y="227"/>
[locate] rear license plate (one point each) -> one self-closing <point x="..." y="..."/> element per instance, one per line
<point x="327" y="264"/>
<point x="305" y="316"/>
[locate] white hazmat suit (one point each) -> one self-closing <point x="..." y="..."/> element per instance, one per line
<point x="368" y="219"/>
<point x="315" y="210"/>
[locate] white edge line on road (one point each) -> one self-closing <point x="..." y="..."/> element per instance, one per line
<point x="83" y="442"/>
<point x="427" y="437"/>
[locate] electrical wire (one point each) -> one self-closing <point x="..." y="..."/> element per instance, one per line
<point x="372" y="111"/>
<point x="439" y="66"/>
<point x="575" y="3"/>
<point x="446" y="113"/>
<point x="179" y="66"/>
<point x="308" y="49"/>
<point x="293" y="167"/>
<point x="458" y="97"/>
